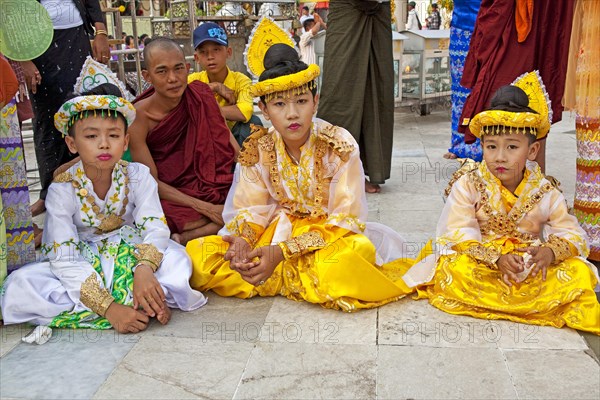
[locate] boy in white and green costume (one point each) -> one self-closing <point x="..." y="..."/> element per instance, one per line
<point x="93" y="245"/>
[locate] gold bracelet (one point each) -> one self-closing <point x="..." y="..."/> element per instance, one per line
<point x="148" y="254"/>
<point x="302" y="244"/>
<point x="101" y="32"/>
<point x="486" y="255"/>
<point x="560" y="248"/>
<point x="94" y="297"/>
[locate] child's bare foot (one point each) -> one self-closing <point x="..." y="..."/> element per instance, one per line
<point x="176" y="237"/>
<point x="37" y="208"/>
<point x="450" y="156"/>
<point x="372" y="187"/>
<point x="164" y="316"/>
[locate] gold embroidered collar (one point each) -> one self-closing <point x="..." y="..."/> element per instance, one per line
<point x="500" y="222"/>
<point x="110" y="216"/>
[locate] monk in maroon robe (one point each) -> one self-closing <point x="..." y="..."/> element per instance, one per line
<point x="180" y="134"/>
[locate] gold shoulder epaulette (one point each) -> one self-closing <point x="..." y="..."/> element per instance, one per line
<point x="466" y="165"/>
<point x="329" y="134"/>
<point x="248" y="155"/>
<point x="63" y="177"/>
<point x="554" y="182"/>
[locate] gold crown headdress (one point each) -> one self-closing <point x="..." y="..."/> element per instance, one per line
<point x="494" y="122"/>
<point x="265" y="34"/>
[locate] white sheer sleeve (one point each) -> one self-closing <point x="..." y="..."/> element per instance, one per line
<point x="458" y="221"/>
<point x="563" y="225"/>
<point x="148" y="214"/>
<point x="61" y="242"/>
<point x="249" y="204"/>
<point x="347" y="200"/>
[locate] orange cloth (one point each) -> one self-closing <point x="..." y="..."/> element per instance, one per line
<point x="8" y="82"/>
<point x="523" y="17"/>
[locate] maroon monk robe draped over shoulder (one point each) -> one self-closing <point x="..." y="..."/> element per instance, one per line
<point x="496" y="58"/>
<point x="192" y="152"/>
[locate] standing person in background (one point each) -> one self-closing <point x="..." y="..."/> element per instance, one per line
<point x="582" y="94"/>
<point x="358" y="81"/>
<point x="461" y="29"/>
<point x="412" y="21"/>
<point x="129" y="44"/>
<point x="512" y="37"/>
<point x="16" y="227"/>
<point x="52" y="75"/>
<point x="312" y="26"/>
<point x="141" y="40"/>
<point x="305" y="14"/>
<point x="435" y="20"/>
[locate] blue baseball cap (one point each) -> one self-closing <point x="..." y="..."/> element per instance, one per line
<point x="209" y="31"/>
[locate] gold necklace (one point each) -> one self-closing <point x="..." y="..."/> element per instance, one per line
<point x="294" y="159"/>
<point x="108" y="222"/>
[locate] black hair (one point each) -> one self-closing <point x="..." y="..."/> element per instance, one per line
<point x="280" y="60"/>
<point x="129" y="39"/>
<point x="305" y="8"/>
<point x="105" y="89"/>
<point x="143" y="36"/>
<point x="161" y="42"/>
<point x="513" y="99"/>
<point x="306" y="22"/>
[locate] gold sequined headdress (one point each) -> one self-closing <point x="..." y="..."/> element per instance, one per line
<point x="495" y="122"/>
<point x="265" y="34"/>
<point x="92" y="75"/>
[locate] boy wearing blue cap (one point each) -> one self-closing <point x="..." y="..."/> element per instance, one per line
<point x="230" y="87"/>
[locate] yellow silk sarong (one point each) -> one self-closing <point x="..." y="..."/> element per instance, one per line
<point x="463" y="286"/>
<point x="342" y="275"/>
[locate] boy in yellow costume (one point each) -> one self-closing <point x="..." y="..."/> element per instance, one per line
<point x="295" y="215"/>
<point x="509" y="248"/>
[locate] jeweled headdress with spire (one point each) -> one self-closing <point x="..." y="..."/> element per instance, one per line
<point x="536" y="118"/>
<point x="265" y="34"/>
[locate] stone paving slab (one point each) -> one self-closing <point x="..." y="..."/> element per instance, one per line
<point x="176" y="367"/>
<point x="533" y="337"/>
<point x="10" y="336"/>
<point x="554" y="374"/>
<point x="415" y="372"/>
<point x="72" y="365"/>
<point x="307" y="371"/>
<point x="293" y="322"/>
<point x="221" y="319"/>
<point x="417" y="323"/>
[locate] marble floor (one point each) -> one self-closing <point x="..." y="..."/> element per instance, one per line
<point x="277" y="348"/>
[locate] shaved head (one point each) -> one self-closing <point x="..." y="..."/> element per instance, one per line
<point x="160" y="43"/>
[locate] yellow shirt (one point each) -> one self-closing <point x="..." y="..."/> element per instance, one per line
<point x="239" y="83"/>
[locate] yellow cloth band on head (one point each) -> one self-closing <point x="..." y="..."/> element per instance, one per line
<point x="299" y="80"/>
<point x="494" y="122"/>
<point x="491" y="122"/>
